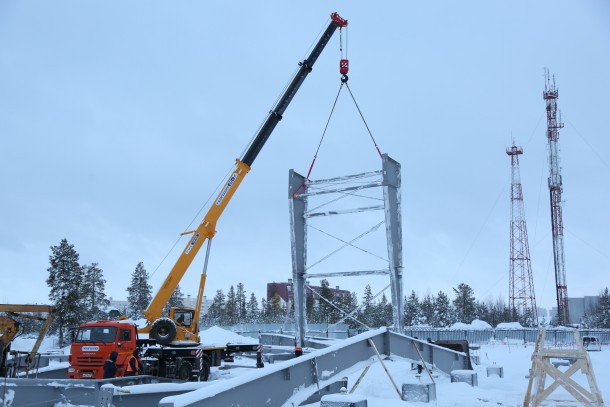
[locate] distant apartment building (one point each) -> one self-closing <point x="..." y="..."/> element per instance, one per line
<point x="286" y="293"/>
<point x="119" y="305"/>
<point x="578" y="307"/>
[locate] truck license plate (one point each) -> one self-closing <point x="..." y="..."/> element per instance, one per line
<point x="87" y="375"/>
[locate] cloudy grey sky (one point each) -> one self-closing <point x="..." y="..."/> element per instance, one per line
<point x="119" y="119"/>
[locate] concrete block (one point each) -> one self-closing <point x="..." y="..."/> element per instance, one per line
<point x="562" y="362"/>
<point x="495" y="370"/>
<point x="465" y="376"/>
<point x="343" y="400"/>
<point x="423" y="392"/>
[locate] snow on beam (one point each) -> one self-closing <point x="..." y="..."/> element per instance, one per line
<point x="303" y="376"/>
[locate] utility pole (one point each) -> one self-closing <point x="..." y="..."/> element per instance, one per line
<point x="521" y="285"/>
<point x="553" y="123"/>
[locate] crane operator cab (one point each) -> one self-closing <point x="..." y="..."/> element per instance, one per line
<point x="183" y="316"/>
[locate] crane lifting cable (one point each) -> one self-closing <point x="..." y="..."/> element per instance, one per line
<point x="343" y="70"/>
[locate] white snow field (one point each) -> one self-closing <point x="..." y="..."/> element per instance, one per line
<point x="377" y="388"/>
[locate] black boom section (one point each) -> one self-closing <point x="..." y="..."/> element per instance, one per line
<point x="276" y="114"/>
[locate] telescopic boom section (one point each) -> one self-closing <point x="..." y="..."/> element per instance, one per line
<point x="207" y="228"/>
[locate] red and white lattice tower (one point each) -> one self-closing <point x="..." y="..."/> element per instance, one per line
<point x="521" y="286"/>
<point x="553" y="124"/>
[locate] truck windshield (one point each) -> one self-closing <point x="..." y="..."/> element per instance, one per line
<point x="96" y="334"/>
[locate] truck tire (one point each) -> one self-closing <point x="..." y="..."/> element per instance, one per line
<point x="185" y="371"/>
<point x="204" y="373"/>
<point x="163" y="330"/>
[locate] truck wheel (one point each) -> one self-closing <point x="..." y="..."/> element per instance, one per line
<point x="204" y="373"/>
<point x="163" y="331"/>
<point x="185" y="371"/>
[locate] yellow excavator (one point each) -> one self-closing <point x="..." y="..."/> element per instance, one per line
<point x="10" y="328"/>
<point x="182" y="325"/>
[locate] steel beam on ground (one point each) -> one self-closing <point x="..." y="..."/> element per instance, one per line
<point x="309" y="373"/>
<point x="73" y="392"/>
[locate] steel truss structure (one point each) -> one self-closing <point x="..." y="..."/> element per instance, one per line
<point x="522" y="300"/>
<point x="301" y="189"/>
<point x="553" y="122"/>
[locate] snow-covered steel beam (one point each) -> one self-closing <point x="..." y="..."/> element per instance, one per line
<point x="70" y="392"/>
<point x="348" y="273"/>
<point x="344" y="211"/>
<point x="275" y="385"/>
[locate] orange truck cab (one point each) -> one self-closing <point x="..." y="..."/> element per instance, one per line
<point x="93" y="343"/>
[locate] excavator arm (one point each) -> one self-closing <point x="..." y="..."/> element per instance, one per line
<point x="207" y="228"/>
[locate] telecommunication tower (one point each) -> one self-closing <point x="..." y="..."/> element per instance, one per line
<point x="521" y="286"/>
<point x="553" y="123"/>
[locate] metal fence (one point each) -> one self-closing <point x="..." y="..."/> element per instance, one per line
<point x="556" y="337"/>
<point x="529" y="335"/>
<point x="325" y="331"/>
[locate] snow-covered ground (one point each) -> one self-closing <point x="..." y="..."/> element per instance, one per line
<point x="376" y="386"/>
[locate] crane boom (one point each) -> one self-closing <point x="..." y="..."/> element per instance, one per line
<point x="207" y="228"/>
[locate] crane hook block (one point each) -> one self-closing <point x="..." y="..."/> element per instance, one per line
<point x="341" y="22"/>
<point x="343" y="66"/>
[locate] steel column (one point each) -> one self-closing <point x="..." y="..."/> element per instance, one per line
<point x="393" y="224"/>
<point x="298" y="240"/>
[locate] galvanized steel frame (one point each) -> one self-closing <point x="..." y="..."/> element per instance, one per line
<point x="391" y="183"/>
<point x="310" y="373"/>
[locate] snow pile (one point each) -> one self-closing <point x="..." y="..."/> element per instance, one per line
<point x="509" y="325"/>
<point x="476" y="325"/>
<point x="216" y="336"/>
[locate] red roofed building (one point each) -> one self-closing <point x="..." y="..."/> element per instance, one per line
<point x="286" y="292"/>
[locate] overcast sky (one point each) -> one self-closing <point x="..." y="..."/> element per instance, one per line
<point x="119" y="119"/>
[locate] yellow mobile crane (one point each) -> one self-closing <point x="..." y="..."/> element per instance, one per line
<point x="10" y="328"/>
<point x="182" y="324"/>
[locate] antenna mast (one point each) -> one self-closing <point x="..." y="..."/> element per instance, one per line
<point x="521" y="286"/>
<point x="551" y="94"/>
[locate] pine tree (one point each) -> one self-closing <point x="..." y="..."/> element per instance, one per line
<point x="325" y="308"/>
<point x="215" y="314"/>
<point x="464" y="303"/>
<point x="65" y="281"/>
<point x="265" y="313"/>
<point x="427" y="310"/>
<point x="175" y="300"/>
<point x="383" y="312"/>
<point x="310" y="309"/>
<point x="274" y="311"/>
<point x="94" y="295"/>
<point x="240" y="298"/>
<point x="349" y="305"/>
<point x="252" y="311"/>
<point x="442" y="310"/>
<point x="602" y="316"/>
<point x="482" y="311"/>
<point x="139" y="292"/>
<point x="231" y="307"/>
<point x="368" y="308"/>
<point x="412" y="310"/>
